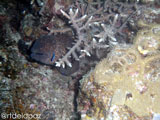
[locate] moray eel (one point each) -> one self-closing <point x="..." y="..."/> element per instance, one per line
<point x="49" y="48"/>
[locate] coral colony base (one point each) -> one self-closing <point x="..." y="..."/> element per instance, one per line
<point x="126" y="84"/>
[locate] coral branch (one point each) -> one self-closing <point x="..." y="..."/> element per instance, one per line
<point x="79" y="27"/>
<point x="97" y="25"/>
<point x="109" y="31"/>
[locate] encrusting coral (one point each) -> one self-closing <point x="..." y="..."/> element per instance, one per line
<point x="126" y="84"/>
<point x="148" y="40"/>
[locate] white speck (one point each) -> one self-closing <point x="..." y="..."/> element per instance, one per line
<point x="156" y="117"/>
<point x="83" y="115"/>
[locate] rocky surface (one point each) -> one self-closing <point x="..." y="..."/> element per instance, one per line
<point x="25" y="86"/>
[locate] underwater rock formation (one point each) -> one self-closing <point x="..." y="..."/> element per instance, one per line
<point x="126" y="84"/>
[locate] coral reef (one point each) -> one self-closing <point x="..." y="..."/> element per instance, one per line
<point x="97" y="25"/>
<point x="125" y="85"/>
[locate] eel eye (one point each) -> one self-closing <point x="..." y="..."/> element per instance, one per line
<point x="53" y="56"/>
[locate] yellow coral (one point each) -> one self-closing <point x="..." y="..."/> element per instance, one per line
<point x="126" y="84"/>
<point x="131" y="79"/>
<point x="147" y="40"/>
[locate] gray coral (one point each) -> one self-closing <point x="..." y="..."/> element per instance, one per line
<point x="97" y="25"/>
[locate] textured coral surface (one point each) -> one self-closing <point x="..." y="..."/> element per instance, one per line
<point x="126" y="84"/>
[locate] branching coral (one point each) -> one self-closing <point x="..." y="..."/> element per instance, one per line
<point x="96" y="25"/>
<point x="80" y="31"/>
